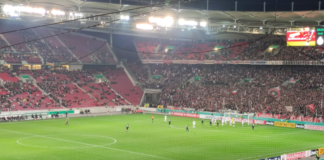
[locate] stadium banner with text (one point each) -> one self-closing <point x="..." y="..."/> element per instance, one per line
<point x="192" y="115"/>
<point x="209" y="61"/>
<point x="204" y="116"/>
<point x="285" y="124"/>
<point x="297" y="155"/>
<point x="145" y="61"/>
<point x="312" y="152"/>
<point x="301" y="36"/>
<point x="184" y="62"/>
<point x="167" y="61"/>
<point x="269" y="123"/>
<point x="302" y="126"/>
<point x="138" y="111"/>
<point x="313" y="127"/>
<point x="272" y="158"/>
<point x="176" y="61"/>
<point x="192" y="61"/>
<point x="200" y="61"/>
<point x="156" y="61"/>
<point x="321" y="151"/>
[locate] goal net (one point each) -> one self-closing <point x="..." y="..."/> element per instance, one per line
<point x="246" y="118"/>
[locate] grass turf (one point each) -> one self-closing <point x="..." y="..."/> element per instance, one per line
<point x="105" y="137"/>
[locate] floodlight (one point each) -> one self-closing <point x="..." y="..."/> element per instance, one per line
<point x="144" y="26"/>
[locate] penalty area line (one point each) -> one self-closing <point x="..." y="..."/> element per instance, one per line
<point x="86" y="144"/>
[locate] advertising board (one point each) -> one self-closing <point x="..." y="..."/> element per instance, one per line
<point x="305" y="36"/>
<point x="313" y="127"/>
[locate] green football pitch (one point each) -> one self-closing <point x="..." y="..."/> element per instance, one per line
<point x="105" y="137"/>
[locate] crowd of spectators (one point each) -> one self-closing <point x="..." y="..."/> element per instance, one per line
<point x="19" y="95"/>
<point x="240" y="49"/>
<point x="242" y="88"/>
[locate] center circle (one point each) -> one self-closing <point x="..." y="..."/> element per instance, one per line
<point x="66" y="141"/>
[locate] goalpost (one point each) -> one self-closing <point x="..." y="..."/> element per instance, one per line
<point x="246" y="117"/>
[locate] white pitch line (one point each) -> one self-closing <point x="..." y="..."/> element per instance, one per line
<point x="86" y="144"/>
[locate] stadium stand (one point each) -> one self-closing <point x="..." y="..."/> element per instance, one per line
<point x="242" y="88"/>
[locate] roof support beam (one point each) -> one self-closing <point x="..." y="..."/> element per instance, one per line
<point x="235" y="6"/>
<point x="318" y="23"/>
<point x="319" y="5"/>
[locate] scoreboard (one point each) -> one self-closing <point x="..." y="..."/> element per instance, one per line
<point x="307" y="36"/>
<point x="301" y="36"/>
<point x="319" y="36"/>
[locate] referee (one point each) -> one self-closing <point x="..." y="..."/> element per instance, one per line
<point x="187" y="128"/>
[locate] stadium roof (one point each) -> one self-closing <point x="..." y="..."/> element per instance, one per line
<point x="283" y="19"/>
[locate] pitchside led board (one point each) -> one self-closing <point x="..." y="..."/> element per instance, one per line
<point x="307" y="36"/>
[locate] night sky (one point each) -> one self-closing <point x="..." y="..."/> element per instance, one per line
<point x="243" y="5"/>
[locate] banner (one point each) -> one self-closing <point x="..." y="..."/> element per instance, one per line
<point x="185" y="114"/>
<point x="167" y="61"/>
<point x="321" y="151"/>
<point x="311" y="107"/>
<point x="297" y="155"/>
<point x="292" y="81"/>
<point x="285" y="124"/>
<point x="289" y="108"/>
<point x="270" y="123"/>
<point x="209" y="61"/>
<point x="203" y="116"/>
<point x="300" y="126"/>
<point x="312" y="127"/>
<point x="275" y="93"/>
<point x="156" y="76"/>
<point x="138" y="111"/>
<point x="313" y="152"/>
<point x="273" y="158"/>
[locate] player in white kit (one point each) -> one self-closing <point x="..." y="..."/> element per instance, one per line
<point x="214" y="120"/>
<point x="165" y="118"/>
<point x="194" y="124"/>
<point x="234" y="122"/>
<point x="222" y="121"/>
<point x="242" y="122"/>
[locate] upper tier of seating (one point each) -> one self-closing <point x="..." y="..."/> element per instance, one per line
<point x="222" y="50"/>
<point x="8" y="77"/>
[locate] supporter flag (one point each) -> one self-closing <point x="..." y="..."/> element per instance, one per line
<point x="311" y="107"/>
<point x="275" y="93"/>
<point x="234" y="92"/>
<point x="289" y="108"/>
<point x="293" y="81"/>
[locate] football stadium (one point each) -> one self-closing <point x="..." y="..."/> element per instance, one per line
<point x="161" y="79"/>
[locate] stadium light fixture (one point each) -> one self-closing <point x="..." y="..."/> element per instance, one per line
<point x="124" y="17"/>
<point x="183" y="22"/>
<point x="261" y="28"/>
<point x="163" y="22"/>
<point x="9" y="9"/>
<point x="144" y="26"/>
<point x="203" y="24"/>
<point x="223" y="26"/>
<point x="234" y="26"/>
<point x="57" y="12"/>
